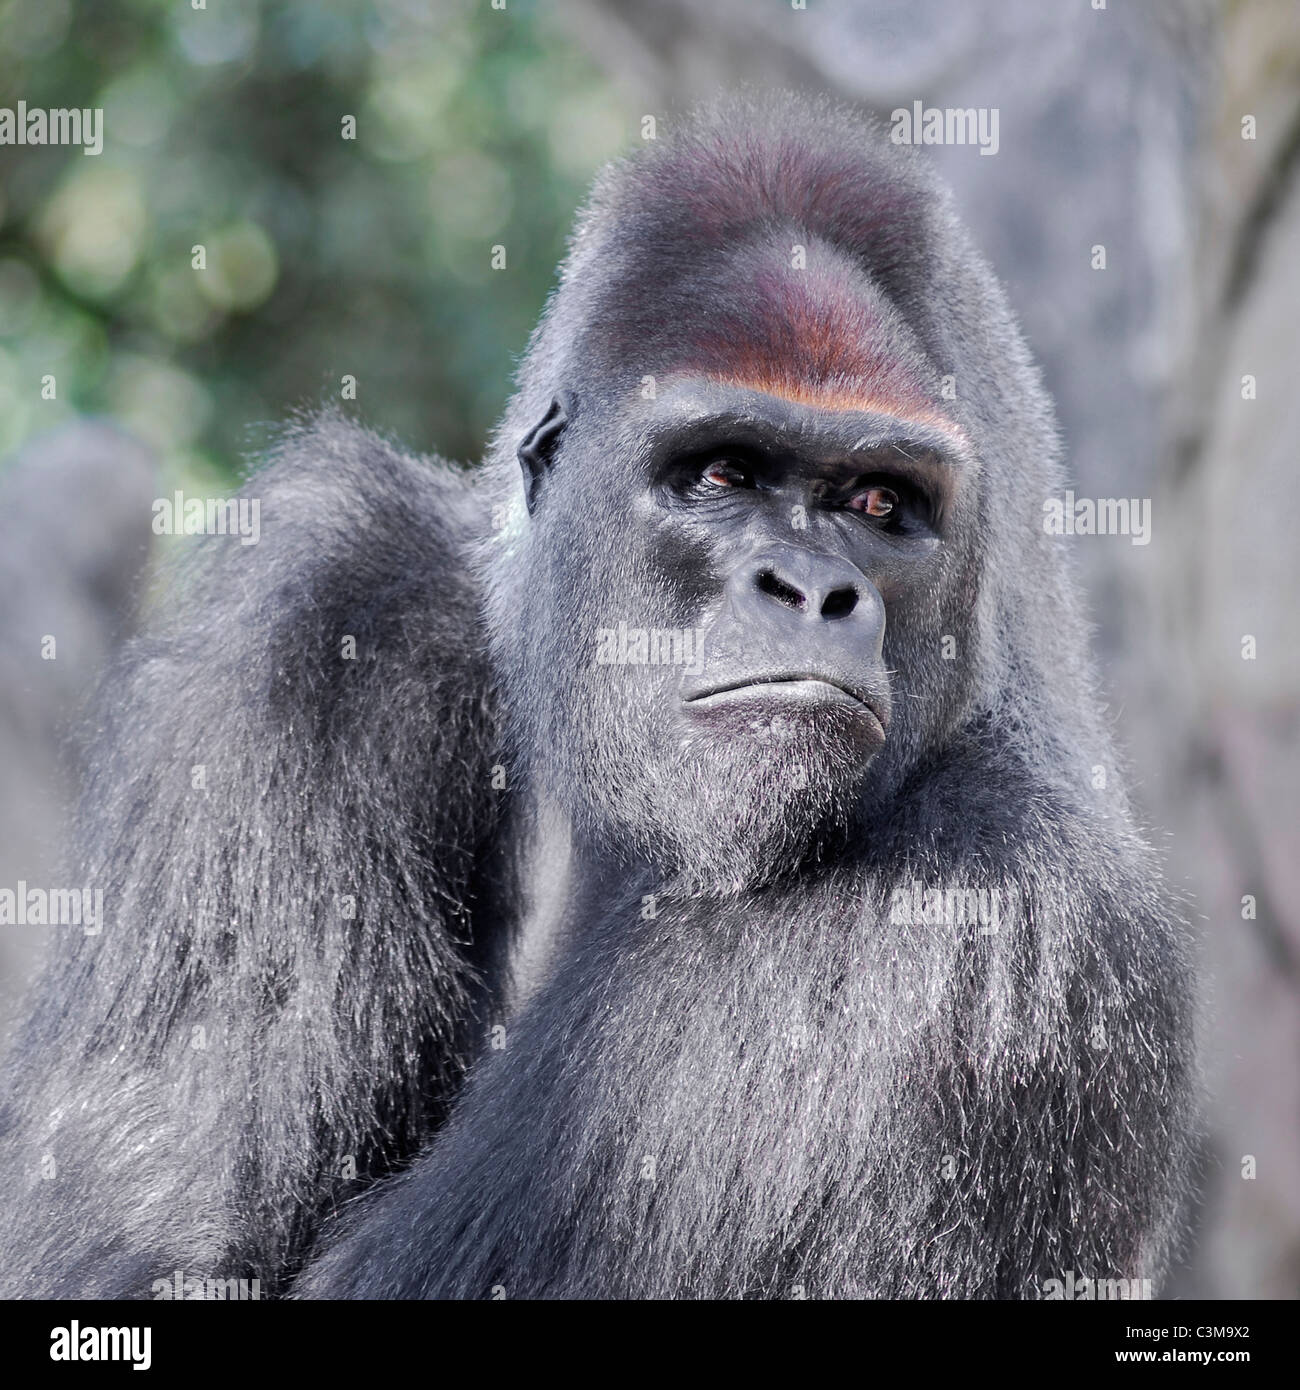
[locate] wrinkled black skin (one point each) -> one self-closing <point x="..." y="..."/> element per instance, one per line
<point x="727" y="1068"/>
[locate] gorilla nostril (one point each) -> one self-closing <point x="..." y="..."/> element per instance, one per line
<point x="780" y="590"/>
<point x="839" y="603"/>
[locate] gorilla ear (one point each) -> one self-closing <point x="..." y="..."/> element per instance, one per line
<point x="537" y="452"/>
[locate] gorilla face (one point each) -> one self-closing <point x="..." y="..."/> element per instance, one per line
<point x="723" y="573"/>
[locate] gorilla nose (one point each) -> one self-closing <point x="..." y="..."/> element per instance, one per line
<point x="819" y="586"/>
<point x="793" y="623"/>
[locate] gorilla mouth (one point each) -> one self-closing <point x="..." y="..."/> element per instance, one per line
<point x="802" y="690"/>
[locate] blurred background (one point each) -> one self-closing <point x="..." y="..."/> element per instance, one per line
<point x="1169" y="133"/>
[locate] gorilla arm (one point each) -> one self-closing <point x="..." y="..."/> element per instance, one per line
<point x="288" y="789"/>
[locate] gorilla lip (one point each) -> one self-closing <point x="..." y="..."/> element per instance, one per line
<point x="797" y="689"/>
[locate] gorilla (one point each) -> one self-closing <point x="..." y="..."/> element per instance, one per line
<point x="683" y="858"/>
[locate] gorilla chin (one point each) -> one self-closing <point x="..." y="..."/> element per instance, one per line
<point x="769" y="774"/>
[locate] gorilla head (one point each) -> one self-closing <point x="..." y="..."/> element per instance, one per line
<point x="737" y="596"/>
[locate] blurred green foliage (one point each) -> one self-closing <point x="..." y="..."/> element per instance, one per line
<point x="223" y="127"/>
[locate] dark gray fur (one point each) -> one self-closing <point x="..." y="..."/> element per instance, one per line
<point x="325" y="1037"/>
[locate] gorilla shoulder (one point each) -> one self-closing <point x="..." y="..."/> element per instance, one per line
<point x="288" y="784"/>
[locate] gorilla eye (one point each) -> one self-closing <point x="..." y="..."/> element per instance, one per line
<point x="877" y="501"/>
<point x="725" y="473"/>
